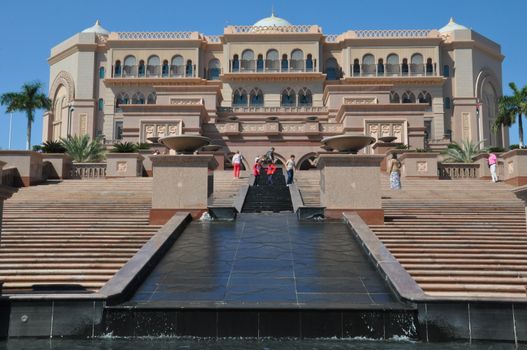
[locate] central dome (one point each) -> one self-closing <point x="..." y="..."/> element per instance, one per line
<point x="272" y="21"/>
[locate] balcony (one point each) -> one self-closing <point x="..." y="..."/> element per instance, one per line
<point x="272" y="66"/>
<point x="149" y="71"/>
<point x="396" y="70"/>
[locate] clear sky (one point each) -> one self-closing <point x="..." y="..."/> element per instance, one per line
<point x="30" y="28"/>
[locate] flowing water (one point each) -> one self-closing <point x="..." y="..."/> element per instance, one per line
<point x="240" y="344"/>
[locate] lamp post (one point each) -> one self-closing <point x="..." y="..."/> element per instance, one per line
<point x="70" y="111"/>
<point x="10" y="129"/>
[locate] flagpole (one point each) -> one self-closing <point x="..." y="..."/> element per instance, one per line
<point x="10" y="128"/>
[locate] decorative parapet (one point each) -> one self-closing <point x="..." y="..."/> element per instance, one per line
<point x="272" y="128"/>
<point x="332" y="38"/>
<point x="154" y="36"/>
<point x="186" y="101"/>
<point x="393" y="33"/>
<point x="360" y="101"/>
<point x="213" y="38"/>
<point x="272" y="29"/>
<point x="253" y="109"/>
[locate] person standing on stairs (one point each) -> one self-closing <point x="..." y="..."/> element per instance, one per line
<point x="271" y="169"/>
<point x="269" y="156"/>
<point x="290" y="166"/>
<point x="257" y="168"/>
<point x="236" y="163"/>
<point x="493" y="163"/>
<point x="394" y="169"/>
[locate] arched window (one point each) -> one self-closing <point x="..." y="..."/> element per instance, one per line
<point x="239" y="98"/>
<point x="392" y="64"/>
<point x="151" y="99"/>
<point x="309" y="63"/>
<point x="356" y="67"/>
<point x="101" y="73"/>
<point x="189" y="69"/>
<point x="394" y="97"/>
<point x="446" y="70"/>
<point x="165" y="69"/>
<point x="138" y="99"/>
<point x="285" y="63"/>
<point x="447" y="103"/>
<point x="416" y="64"/>
<point x="214" y="70"/>
<point x="235" y="64"/>
<point x="408" y="97"/>
<point x="425" y="97"/>
<point x="429" y="67"/>
<point x="368" y="65"/>
<point x="122" y="99"/>
<point x="305" y="98"/>
<point x="177" y="68"/>
<point x="380" y="67"/>
<point x="129" y="68"/>
<point x="257" y="98"/>
<point x="272" y="63"/>
<point x="248" y="63"/>
<point x="404" y="67"/>
<point x="297" y="60"/>
<point x="288" y="98"/>
<point x="141" y="68"/>
<point x="117" y="68"/>
<point x="100" y="104"/>
<point x="332" y="69"/>
<point x="260" y="63"/>
<point x="152" y="68"/>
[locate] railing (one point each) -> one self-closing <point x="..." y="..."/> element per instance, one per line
<point x="272" y="66"/>
<point x="88" y="170"/>
<point x="458" y="171"/>
<point x="213" y="38"/>
<point x="153" y="35"/>
<point x="397" y="33"/>
<point x="379" y="70"/>
<point x="157" y="71"/>
<point x="9" y="176"/>
<point x="282" y="109"/>
<point x="273" y="29"/>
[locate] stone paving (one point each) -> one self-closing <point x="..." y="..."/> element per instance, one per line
<point x="265" y="260"/>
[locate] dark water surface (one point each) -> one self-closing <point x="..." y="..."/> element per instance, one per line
<point x="245" y="344"/>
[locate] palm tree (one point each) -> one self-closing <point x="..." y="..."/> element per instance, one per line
<point x="462" y="153"/>
<point x="28" y="100"/>
<point x="82" y="149"/>
<point x="511" y="106"/>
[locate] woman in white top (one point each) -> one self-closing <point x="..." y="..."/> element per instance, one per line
<point x="236" y="162"/>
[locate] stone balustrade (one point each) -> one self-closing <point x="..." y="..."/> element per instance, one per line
<point x="458" y="171"/>
<point x="88" y="171"/>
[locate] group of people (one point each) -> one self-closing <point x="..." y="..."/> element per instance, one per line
<point x="264" y="165"/>
<point x="394" y="169"/>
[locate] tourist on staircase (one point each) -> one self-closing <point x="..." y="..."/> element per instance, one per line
<point x="236" y="163"/>
<point x="290" y="166"/>
<point x="394" y="169"/>
<point x="493" y="162"/>
<point x="257" y="168"/>
<point x="269" y="156"/>
<point x="271" y="169"/>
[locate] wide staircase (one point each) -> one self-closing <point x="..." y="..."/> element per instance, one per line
<point x="456" y="238"/>
<point x="226" y="188"/>
<point x="463" y="238"/>
<point x="72" y="235"/>
<point x="269" y="198"/>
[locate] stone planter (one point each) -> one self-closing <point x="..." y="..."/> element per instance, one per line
<point x="59" y="165"/>
<point x="182" y="183"/>
<point x="419" y="165"/>
<point x="515" y="167"/>
<point x="124" y="165"/>
<point x="350" y="182"/>
<point x="28" y="165"/>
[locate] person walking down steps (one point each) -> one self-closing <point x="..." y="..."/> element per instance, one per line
<point x="257" y="168"/>
<point x="290" y="166"/>
<point x="394" y="169"/>
<point x="271" y="169"/>
<point x="493" y="163"/>
<point x="236" y="163"/>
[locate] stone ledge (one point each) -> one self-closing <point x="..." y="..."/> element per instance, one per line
<point x="129" y="277"/>
<point x="348" y="160"/>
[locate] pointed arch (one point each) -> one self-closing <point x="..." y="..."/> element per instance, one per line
<point x="305" y="98"/>
<point x="152" y="98"/>
<point x="256" y="98"/>
<point x="239" y="98"/>
<point x="138" y="98"/>
<point x="408" y="97"/>
<point x="425" y="97"/>
<point x="288" y="98"/>
<point x="394" y="97"/>
<point x="122" y="99"/>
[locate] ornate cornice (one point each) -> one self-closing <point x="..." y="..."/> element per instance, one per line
<point x="315" y="76"/>
<point x="153" y="81"/>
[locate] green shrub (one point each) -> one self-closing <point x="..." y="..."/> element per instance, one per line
<point x="402" y="147"/>
<point x="142" y="145"/>
<point x="124" y="147"/>
<point x="514" y="146"/>
<point x="462" y="153"/>
<point x="36" y="148"/>
<point x="53" y="146"/>
<point x="82" y="149"/>
<point x="495" y="149"/>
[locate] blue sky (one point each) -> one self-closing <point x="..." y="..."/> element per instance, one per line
<point x="31" y="27"/>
